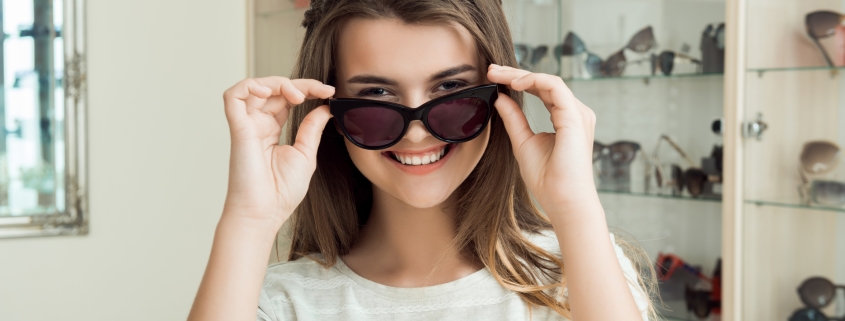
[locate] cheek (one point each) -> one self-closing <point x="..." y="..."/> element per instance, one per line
<point x="367" y="161"/>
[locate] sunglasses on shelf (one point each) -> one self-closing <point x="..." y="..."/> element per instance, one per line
<point x="621" y="152"/>
<point x="665" y="62"/>
<point x="573" y="46"/>
<point x="454" y="118"/>
<point x="822" y="24"/>
<point x="641" y="42"/>
<point x="816" y="293"/>
<point x="819" y="158"/>
<point x="693" y="178"/>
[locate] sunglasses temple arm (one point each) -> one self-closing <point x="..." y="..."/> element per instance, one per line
<point x="678" y="149"/>
<point x="824" y="52"/>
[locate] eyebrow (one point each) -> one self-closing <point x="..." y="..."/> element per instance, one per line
<point x="371" y="79"/>
<point x="452" y="71"/>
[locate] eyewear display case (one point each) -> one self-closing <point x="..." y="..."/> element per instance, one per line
<point x="718" y="136"/>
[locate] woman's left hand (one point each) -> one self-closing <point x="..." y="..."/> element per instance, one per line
<point x="557" y="167"/>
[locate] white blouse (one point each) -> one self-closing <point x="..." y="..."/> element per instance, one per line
<point x="304" y="290"/>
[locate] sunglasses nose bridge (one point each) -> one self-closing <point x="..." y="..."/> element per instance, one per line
<point x="416" y="132"/>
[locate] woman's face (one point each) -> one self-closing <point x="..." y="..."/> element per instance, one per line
<point x="385" y="59"/>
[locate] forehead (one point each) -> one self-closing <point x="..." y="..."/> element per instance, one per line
<point x="404" y="52"/>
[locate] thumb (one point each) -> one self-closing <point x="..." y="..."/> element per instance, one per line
<point x="310" y="131"/>
<point x="514" y="119"/>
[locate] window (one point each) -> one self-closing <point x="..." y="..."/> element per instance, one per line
<point x="42" y="108"/>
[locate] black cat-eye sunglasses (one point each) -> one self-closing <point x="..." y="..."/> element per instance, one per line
<point x="454" y="118"/>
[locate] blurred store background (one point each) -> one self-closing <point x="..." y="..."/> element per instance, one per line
<point x="720" y="124"/>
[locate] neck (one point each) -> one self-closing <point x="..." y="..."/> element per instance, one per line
<point x="406" y="246"/>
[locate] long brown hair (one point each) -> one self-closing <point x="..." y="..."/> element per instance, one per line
<point x="494" y="205"/>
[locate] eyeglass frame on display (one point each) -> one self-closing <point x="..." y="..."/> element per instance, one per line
<point x="812" y="21"/>
<point x="809" y="188"/>
<point x="813" y="307"/>
<point x="679" y="177"/>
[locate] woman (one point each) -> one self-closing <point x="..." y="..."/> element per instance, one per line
<point x="412" y="219"/>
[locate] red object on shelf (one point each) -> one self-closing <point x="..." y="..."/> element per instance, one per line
<point x="301" y="3"/>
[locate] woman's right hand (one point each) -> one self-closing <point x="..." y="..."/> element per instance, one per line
<point x="267" y="181"/>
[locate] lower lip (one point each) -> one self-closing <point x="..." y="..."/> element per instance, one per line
<point x="422" y="169"/>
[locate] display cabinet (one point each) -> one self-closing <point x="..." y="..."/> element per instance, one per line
<point x="791" y="220"/>
<point x="717" y="137"/>
<point x="651" y="121"/>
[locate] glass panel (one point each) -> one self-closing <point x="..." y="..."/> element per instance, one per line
<point x="634" y="108"/>
<point x="31" y="108"/>
<point x="794" y="189"/>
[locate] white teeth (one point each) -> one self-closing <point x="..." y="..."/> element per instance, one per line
<point x="420" y="159"/>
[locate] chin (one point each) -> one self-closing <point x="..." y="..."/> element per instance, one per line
<point x="423" y="195"/>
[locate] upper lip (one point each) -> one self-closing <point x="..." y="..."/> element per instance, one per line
<point x="415" y="151"/>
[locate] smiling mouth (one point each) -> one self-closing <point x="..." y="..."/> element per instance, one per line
<point x="427" y="158"/>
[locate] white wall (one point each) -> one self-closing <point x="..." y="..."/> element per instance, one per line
<point x="159" y="149"/>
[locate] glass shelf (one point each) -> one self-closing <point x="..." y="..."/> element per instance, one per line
<point x="664" y="196"/>
<point x="798" y="206"/>
<point x="646" y="78"/>
<point x="761" y="71"/>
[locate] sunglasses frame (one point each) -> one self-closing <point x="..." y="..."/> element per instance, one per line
<point x="810" y="19"/>
<point x="693" y="178"/>
<point x="810" y="181"/>
<point x="603" y="147"/>
<point x="487" y="92"/>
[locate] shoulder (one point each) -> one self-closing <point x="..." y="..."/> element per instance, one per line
<point x="303" y="273"/>
<point x="303" y="279"/>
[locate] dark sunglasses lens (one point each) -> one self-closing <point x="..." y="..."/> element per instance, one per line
<point x="678" y="178"/>
<point x="373" y="126"/>
<point x="458" y="119"/>
<point x="643" y="41"/>
<point x="817" y="292"/>
<point x="695" y="181"/>
<point x="593" y="64"/>
<point x="822" y="24"/>
<point x="623" y="152"/>
<point x="572" y="45"/>
<point x="521" y="51"/>
<point x="667" y="62"/>
<point x="819" y="156"/>
<point x="829" y="192"/>
<point x="808" y="314"/>
<point x="615" y="64"/>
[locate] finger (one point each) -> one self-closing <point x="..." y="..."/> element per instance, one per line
<point x="308" y="88"/>
<point x="505" y="75"/>
<point x="314" y="89"/>
<point x="514" y="119"/>
<point x="551" y="90"/>
<point x="310" y="131"/>
<point x="235" y="97"/>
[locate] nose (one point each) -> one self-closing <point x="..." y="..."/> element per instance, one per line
<point x="416" y="132"/>
<point x="416" y="129"/>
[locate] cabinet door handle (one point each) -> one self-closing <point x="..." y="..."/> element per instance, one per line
<point x="754" y="128"/>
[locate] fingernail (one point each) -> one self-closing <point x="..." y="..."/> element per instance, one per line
<point x="495" y="66"/>
<point x="330" y="86"/>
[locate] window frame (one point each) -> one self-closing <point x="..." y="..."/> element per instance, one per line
<point x="74" y="219"/>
